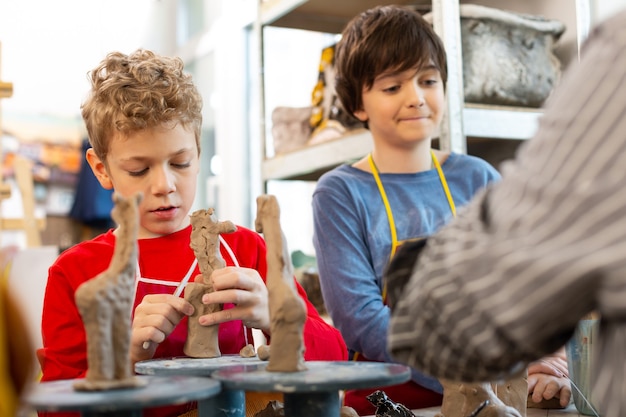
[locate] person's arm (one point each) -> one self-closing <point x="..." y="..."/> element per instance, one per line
<point x="347" y="278"/>
<point x="507" y="281"/>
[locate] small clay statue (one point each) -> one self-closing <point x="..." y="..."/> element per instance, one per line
<point x="385" y="407"/>
<point x="202" y="341"/>
<point x="105" y="304"/>
<point x="287" y="310"/>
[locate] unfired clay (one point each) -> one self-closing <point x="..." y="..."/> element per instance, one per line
<point x="105" y="304"/>
<point x="202" y="341"/>
<point x="287" y="309"/>
<point x="263" y="352"/>
<point x="247" y="351"/>
<point x="504" y="400"/>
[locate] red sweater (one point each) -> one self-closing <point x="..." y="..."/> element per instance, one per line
<point x="163" y="262"/>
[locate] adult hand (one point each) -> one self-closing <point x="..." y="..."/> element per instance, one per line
<point x="244" y="288"/>
<point x="155" y="318"/>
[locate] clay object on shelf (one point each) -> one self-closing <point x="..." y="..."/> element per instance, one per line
<point x="202" y="341"/>
<point x="508" y="58"/>
<point x="290" y="128"/>
<point x="105" y="304"/>
<point x="287" y="310"/>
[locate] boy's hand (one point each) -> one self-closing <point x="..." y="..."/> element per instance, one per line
<point x="244" y="288"/>
<point x="548" y="378"/>
<point x="155" y="318"/>
<point x="551" y="365"/>
<point x="543" y="386"/>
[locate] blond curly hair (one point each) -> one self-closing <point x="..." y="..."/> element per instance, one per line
<point x="139" y="91"/>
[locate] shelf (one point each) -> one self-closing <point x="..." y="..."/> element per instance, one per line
<point x="496" y="122"/>
<point x="307" y="163"/>
<point x="329" y="16"/>
<point x="500" y="122"/>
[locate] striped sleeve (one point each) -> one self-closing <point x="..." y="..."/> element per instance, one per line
<point x="506" y="282"/>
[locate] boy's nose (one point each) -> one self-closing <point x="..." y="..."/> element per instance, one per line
<point x="416" y="95"/>
<point x="163" y="182"/>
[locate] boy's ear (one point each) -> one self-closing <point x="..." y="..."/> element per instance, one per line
<point x="361" y="115"/>
<point x="98" y="168"/>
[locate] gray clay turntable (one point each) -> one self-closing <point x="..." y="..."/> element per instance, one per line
<point x="193" y="366"/>
<point x="229" y="402"/>
<point x="315" y="391"/>
<point x="128" y="402"/>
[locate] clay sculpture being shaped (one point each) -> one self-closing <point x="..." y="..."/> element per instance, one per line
<point x="105" y="304"/>
<point x="287" y="310"/>
<point x="202" y="341"/>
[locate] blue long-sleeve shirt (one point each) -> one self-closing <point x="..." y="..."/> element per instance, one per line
<point x="352" y="240"/>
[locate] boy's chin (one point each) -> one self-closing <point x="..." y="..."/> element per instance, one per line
<point x="160" y="230"/>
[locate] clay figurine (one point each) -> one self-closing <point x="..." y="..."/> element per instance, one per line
<point x="202" y="341"/>
<point x="105" y="304"/>
<point x="287" y="309"/>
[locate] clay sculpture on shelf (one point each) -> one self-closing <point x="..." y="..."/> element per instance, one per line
<point x="202" y="341"/>
<point x="508" y="58"/>
<point x="105" y="305"/>
<point x="287" y="310"/>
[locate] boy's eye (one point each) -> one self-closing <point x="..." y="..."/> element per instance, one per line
<point x="391" y="89"/>
<point x="181" y="165"/>
<point x="138" y="173"/>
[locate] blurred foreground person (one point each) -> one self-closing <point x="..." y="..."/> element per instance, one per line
<point x="507" y="281"/>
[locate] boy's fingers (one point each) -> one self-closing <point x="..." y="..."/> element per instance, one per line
<point x="154" y="304"/>
<point x="183" y="306"/>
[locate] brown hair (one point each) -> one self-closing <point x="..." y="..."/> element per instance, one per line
<point x="381" y="39"/>
<point x="139" y="91"/>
